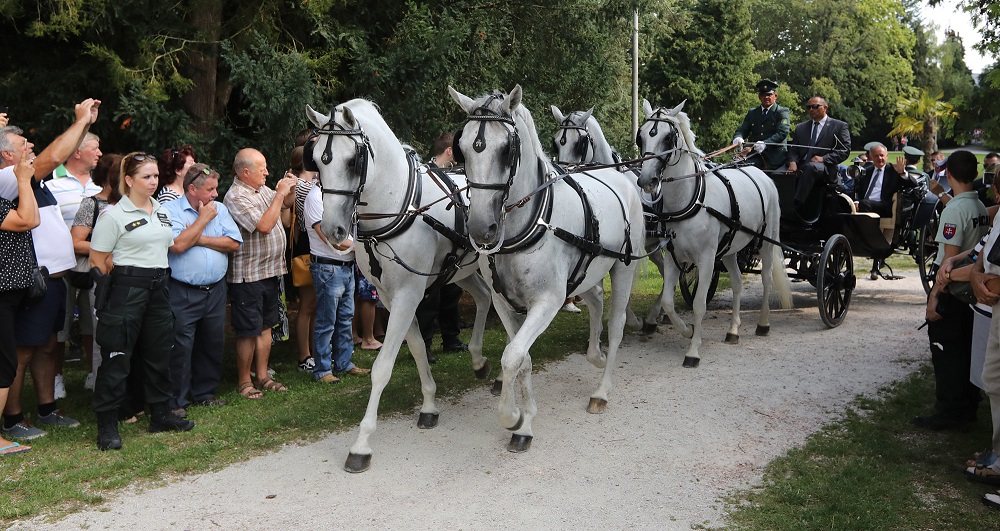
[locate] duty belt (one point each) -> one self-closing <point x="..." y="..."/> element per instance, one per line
<point x="331" y="261"/>
<point x="140" y="277"/>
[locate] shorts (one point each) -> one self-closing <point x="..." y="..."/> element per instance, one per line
<point x="255" y="306"/>
<point x="36" y="324"/>
<point x="362" y="288"/>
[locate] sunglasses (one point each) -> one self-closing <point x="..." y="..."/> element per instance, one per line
<point x="139" y="157"/>
<point x="814" y="106"/>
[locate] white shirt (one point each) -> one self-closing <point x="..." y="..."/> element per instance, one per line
<point x="313" y="213"/>
<point x="69" y="191"/>
<point x="875" y="187"/>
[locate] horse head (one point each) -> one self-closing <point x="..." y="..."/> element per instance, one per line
<point x="340" y="151"/>
<point x="490" y="146"/>
<point x="665" y="136"/>
<point x="573" y="142"/>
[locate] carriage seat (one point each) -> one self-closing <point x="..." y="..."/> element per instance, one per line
<point x="888" y="225"/>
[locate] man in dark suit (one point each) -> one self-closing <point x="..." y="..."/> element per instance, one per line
<point x="878" y="184"/>
<point x="766" y="127"/>
<point x="819" y="145"/>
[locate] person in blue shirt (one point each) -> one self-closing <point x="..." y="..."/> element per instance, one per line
<point x="204" y="235"/>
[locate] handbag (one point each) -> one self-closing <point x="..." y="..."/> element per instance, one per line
<point x="38" y="287"/>
<point x="301" y="277"/>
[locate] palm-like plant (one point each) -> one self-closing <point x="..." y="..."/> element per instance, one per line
<point x="921" y="117"/>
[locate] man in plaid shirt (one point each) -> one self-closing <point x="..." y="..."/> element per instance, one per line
<point x="255" y="269"/>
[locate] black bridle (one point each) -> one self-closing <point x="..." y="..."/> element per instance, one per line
<point x="670" y="143"/>
<point x="584" y="141"/>
<point x="362" y="149"/>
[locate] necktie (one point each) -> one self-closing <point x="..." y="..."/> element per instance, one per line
<point x="871" y="186"/>
<point x="815" y="133"/>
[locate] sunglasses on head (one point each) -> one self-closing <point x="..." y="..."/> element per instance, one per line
<point x="814" y="105"/>
<point x="139" y="157"/>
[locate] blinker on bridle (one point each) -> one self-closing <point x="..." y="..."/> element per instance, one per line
<point x="362" y="149"/>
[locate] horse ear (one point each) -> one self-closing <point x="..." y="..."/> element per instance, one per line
<point x="315" y="117"/>
<point x="557" y="114"/>
<point x="647" y="108"/>
<point x="514" y="98"/>
<point x="677" y="109"/>
<point x="349" y="120"/>
<point x="587" y="115"/>
<point x="463" y="101"/>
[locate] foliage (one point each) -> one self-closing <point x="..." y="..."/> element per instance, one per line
<point x="855" y="53"/>
<point x="922" y="117"/>
<point x="716" y="35"/>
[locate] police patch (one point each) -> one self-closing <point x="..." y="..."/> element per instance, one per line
<point x="164" y="220"/>
<point x="949" y="230"/>
<point x="135" y="224"/>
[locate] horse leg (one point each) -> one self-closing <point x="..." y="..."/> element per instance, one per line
<point x="705" y="271"/>
<point x="512" y="322"/>
<point x="520" y="440"/>
<point x="476" y="287"/>
<point x="516" y="361"/>
<point x="670" y="276"/>
<point x="653" y="317"/>
<point x="400" y="322"/>
<point x="766" y="277"/>
<point x="621" y="290"/>
<point x="736" y="280"/>
<point x="595" y="304"/>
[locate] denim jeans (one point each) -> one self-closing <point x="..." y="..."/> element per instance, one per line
<point x="333" y="341"/>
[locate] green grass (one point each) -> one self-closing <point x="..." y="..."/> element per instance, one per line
<point x="870" y="470"/>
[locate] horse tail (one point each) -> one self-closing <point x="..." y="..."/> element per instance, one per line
<point x="779" y="278"/>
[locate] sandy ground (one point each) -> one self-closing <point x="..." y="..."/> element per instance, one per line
<point x="672" y="442"/>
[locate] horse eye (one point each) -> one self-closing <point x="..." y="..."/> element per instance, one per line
<point x="350" y="164"/>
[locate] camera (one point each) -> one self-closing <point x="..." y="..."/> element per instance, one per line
<point x="856" y="169"/>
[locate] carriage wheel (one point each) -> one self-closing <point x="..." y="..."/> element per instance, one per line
<point x="689" y="284"/>
<point x="926" y="252"/>
<point x="835" y="280"/>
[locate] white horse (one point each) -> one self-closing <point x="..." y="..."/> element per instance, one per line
<point x="562" y="241"/>
<point x="366" y="174"/>
<point x="710" y="214"/>
<point x="580" y="140"/>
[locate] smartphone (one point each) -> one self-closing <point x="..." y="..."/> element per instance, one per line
<point x="3" y="109"/>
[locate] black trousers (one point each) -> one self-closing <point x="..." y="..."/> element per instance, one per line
<point x="951" y="356"/>
<point x="134" y="319"/>
<point x="442" y="305"/>
<point x="10" y="303"/>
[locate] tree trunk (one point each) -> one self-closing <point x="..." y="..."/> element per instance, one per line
<point x="201" y="101"/>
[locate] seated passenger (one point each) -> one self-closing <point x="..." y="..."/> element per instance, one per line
<point x="878" y="184"/>
<point x="818" y="147"/>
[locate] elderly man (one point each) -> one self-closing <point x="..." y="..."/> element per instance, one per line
<point x="819" y="145"/>
<point x="36" y="327"/>
<point x="254" y="269"/>
<point x="204" y="235"/>
<point x="878" y="184"/>
<point x="69" y="187"/>
<point x="767" y="128"/>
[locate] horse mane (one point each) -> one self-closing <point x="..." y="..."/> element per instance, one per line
<point x="684" y="125"/>
<point x="368" y="113"/>
<point x="495" y="103"/>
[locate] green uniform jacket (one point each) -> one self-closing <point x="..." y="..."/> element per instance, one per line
<point x="772" y="129"/>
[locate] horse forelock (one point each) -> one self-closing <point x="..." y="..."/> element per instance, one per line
<point x="496" y="103"/>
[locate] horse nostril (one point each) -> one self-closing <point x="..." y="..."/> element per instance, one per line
<point x="492" y="230"/>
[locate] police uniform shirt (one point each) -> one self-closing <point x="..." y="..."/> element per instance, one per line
<point x="133" y="236"/>
<point x="964" y="221"/>
<point x="199" y="265"/>
<point x="313" y="213"/>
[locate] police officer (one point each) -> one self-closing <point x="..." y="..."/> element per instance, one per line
<point x="767" y="128"/>
<point x="133" y="301"/>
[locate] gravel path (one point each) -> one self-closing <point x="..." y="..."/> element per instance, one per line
<point x="672" y="442"/>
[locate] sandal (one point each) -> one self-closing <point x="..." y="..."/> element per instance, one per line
<point x="248" y="391"/>
<point x="983" y="474"/>
<point x="983" y="457"/>
<point x="271" y="385"/>
<point x="992" y="499"/>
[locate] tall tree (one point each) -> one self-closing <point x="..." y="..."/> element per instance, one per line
<point x="922" y="117"/>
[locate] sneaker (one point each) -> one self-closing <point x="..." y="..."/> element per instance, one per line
<point x="56" y="418"/>
<point x="179" y="412"/>
<point x="60" y="391"/>
<point x="328" y="379"/>
<point x="91" y="381"/>
<point x="307" y="365"/>
<point x="570" y="307"/>
<point x="22" y="430"/>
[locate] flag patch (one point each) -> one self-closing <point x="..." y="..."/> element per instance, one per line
<point x="949" y="230"/>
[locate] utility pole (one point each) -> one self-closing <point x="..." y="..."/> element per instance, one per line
<point x="635" y="73"/>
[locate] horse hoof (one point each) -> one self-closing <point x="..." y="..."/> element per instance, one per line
<point x="427" y="421"/>
<point x="690" y="362"/>
<point x="483" y="372"/>
<point x="732" y="339"/>
<point x="497" y="387"/>
<point x="357" y="463"/>
<point x="597" y="405"/>
<point x="763" y="330"/>
<point x="648" y="328"/>
<point x="519" y="443"/>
